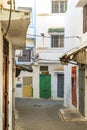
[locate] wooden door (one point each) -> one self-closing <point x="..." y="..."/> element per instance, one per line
<point x="82" y="91"/>
<point x="5" y="93"/>
<point x="5" y="83"/>
<point x="74" y="89"/>
<point x="60" y="85"/>
<point x="45" y="86"/>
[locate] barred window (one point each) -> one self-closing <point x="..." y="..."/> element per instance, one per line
<point x="26" y="56"/>
<point x="59" y="6"/>
<point x="27" y="80"/>
<point x="57" y="41"/>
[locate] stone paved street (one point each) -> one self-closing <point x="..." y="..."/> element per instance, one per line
<point x="42" y="114"/>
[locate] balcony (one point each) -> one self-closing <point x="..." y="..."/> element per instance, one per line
<point x="49" y="55"/>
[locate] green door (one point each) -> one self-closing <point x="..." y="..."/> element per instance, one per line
<point x="45" y="86"/>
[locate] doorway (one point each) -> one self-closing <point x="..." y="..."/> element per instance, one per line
<point x="82" y="89"/>
<point x="45" y="86"/>
<point x="5" y="83"/>
<point x="60" y="85"/>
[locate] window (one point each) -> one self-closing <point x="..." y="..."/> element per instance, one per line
<point x="85" y="18"/>
<point x="57" y="41"/>
<point x="26" y="56"/>
<point x="43" y="68"/>
<point x="59" y="6"/>
<point x="27" y="81"/>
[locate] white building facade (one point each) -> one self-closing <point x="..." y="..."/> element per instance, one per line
<point x="75" y="82"/>
<point x="46" y="39"/>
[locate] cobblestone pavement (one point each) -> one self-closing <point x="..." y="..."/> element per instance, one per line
<point x="42" y="114"/>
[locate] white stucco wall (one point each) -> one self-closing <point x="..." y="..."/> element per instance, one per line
<point x="73" y="28"/>
<point x="46" y="4"/>
<point x="24" y="3"/>
<point x="36" y="81"/>
<point x="53" y="80"/>
<point x="19" y="91"/>
<point x="43" y="23"/>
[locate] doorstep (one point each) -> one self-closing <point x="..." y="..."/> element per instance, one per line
<point x="71" y="115"/>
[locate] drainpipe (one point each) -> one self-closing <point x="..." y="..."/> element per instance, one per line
<point x="34" y="14"/>
<point x="34" y="23"/>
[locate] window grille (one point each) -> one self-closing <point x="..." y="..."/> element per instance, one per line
<point x="57" y="41"/>
<point x="59" y="6"/>
<point x="43" y="68"/>
<point x="27" y="81"/>
<point x="26" y="56"/>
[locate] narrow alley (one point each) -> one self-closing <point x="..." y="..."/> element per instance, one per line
<point x="42" y="114"/>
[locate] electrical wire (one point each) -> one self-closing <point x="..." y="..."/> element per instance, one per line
<point x="9" y="22"/>
<point x="50" y="37"/>
<point x="38" y="35"/>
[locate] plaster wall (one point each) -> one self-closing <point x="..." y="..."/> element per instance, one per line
<point x="43" y="24"/>
<point x="53" y="80"/>
<point x="36" y="81"/>
<point x="73" y="38"/>
<point x="19" y="80"/>
<point x="24" y="3"/>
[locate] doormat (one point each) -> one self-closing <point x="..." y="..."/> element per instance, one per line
<point x="71" y="115"/>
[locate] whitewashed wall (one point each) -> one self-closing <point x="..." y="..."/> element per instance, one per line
<point x="36" y="81"/>
<point x="43" y="24"/>
<point x="19" y="91"/>
<point x="45" y="20"/>
<point x="73" y="28"/>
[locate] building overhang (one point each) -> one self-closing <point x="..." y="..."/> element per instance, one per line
<point x="18" y="26"/>
<point x="20" y="68"/>
<point x="81" y="3"/>
<point x="77" y="55"/>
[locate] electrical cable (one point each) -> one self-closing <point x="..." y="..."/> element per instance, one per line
<point x="38" y="36"/>
<point x="9" y="22"/>
<point x="50" y="37"/>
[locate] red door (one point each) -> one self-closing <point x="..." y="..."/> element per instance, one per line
<point x="74" y="95"/>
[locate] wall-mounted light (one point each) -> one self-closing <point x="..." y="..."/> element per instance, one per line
<point x="42" y="34"/>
